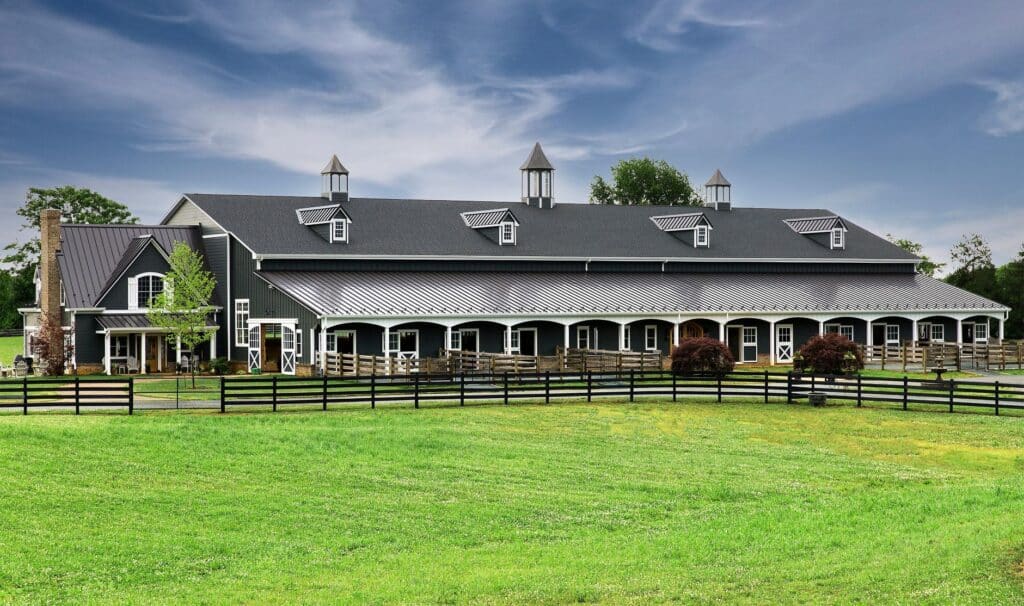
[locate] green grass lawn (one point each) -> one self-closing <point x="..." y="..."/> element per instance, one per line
<point x="9" y="347"/>
<point x="614" y="503"/>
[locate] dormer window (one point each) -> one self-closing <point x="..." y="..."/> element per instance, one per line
<point x="702" y="237"/>
<point x="339" y="230"/>
<point x="143" y="289"/>
<point x="508" y="233"/>
<point x="838" y="238"/>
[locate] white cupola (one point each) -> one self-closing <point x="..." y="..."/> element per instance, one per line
<point x="538" y="179"/>
<point x="717" y="192"/>
<point x="334" y="181"/>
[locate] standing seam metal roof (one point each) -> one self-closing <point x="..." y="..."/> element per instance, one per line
<point x="812" y="225"/>
<point x="680" y="222"/>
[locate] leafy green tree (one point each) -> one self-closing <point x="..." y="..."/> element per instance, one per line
<point x="183" y="307"/>
<point x="643" y="182"/>
<point x="972" y="257"/>
<point x="76" y="205"/>
<point x="17" y="289"/>
<point x="1010" y="278"/>
<point x="926" y="266"/>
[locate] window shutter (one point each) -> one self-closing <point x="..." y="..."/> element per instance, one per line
<point x="133" y="293"/>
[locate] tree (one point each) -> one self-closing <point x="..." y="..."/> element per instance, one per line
<point x="1010" y="278"/>
<point x="926" y="266"/>
<point x="51" y="346"/>
<point x="830" y="354"/>
<point x="702" y="355"/>
<point x="184" y="305"/>
<point x="76" y="205"/>
<point x="974" y="269"/>
<point x="643" y="182"/>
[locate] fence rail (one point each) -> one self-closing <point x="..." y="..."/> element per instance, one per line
<point x="507" y="387"/>
<point x="1002" y="355"/>
<point x="58" y="392"/>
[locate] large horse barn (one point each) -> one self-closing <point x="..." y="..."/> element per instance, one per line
<point x="405" y="280"/>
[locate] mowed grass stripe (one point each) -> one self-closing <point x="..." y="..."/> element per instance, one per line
<point x="650" y="502"/>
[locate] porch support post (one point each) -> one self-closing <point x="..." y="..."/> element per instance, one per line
<point x="913" y="331"/>
<point x="323" y="349"/>
<point x="565" y="338"/>
<point x="1001" y="326"/>
<point x="771" y="342"/>
<point x="508" y="339"/>
<point x="675" y="336"/>
<point x="622" y="337"/>
<point x="213" y="346"/>
<point x="870" y="336"/>
<point x="821" y="327"/>
<point x="161" y="343"/>
<point x="142" y="355"/>
<point x="959" y="331"/>
<point x="177" y="350"/>
<point x="387" y="342"/>
<point x="721" y="332"/>
<point x="448" y="338"/>
<point x="106" y="352"/>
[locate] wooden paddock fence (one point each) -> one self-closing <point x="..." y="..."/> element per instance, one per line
<point x="1003" y="355"/>
<point x="508" y="387"/>
<point x="61" y="392"/>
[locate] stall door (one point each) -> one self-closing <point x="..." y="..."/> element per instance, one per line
<point x="287" y="350"/>
<point x="254" y="348"/>
<point x="784" y="343"/>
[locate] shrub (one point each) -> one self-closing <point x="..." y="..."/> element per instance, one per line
<point x="219" y="366"/>
<point x="831" y="354"/>
<point x="702" y="355"/>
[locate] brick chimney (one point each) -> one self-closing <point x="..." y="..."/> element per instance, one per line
<point x="49" y="272"/>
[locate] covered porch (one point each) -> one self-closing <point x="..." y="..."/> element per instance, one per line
<point x="132" y="345"/>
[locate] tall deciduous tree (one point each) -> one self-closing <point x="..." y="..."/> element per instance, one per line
<point x="974" y="270"/>
<point x="1010" y="278"/>
<point x="926" y="266"/>
<point x="183" y="307"/>
<point x="642" y="182"/>
<point x="76" y="205"/>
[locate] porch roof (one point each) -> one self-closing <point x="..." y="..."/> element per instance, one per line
<point x="433" y="294"/>
<point x="134" y="321"/>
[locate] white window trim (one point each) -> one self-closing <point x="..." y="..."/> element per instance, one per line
<point x="242" y="333"/>
<point x="984" y="329"/>
<point x="833" y="243"/>
<point x="847" y="328"/>
<point x="889" y="341"/>
<point x="343" y="223"/>
<point x="831" y="327"/>
<point x="502" y="238"/>
<point x="627" y="338"/>
<point x="133" y="288"/>
<point x="649" y="331"/>
<point x="698" y="240"/>
<point x="298" y="343"/>
<point x="583" y="333"/>
<point x="396" y="334"/>
<point x="937" y="332"/>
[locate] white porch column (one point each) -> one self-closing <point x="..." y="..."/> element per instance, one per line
<point x="213" y="346"/>
<point x="622" y="337"/>
<point x="959" y="331"/>
<point x="323" y="349"/>
<point x="142" y="355"/>
<point x="177" y="350"/>
<point x="508" y="340"/>
<point x="771" y="342"/>
<point x="566" y="338"/>
<point x="106" y="352"/>
<point x="387" y="342"/>
<point x="721" y="332"/>
<point x="821" y="327"/>
<point x="448" y="338"/>
<point x="161" y="340"/>
<point x="675" y="336"/>
<point x="913" y="331"/>
<point x="1002" y="325"/>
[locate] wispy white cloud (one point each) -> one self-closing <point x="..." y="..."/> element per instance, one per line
<point x="665" y="25"/>
<point x="1007" y="114"/>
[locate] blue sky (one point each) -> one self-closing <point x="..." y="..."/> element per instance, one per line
<point x="905" y="117"/>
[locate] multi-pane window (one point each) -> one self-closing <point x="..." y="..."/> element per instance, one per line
<point x="651" y="337"/>
<point x="583" y="337"/>
<point x="148" y="287"/>
<point x="332" y="342"/>
<point x="831" y="328"/>
<point x="847" y="331"/>
<point x="119" y="346"/>
<point x="981" y="332"/>
<point x="892" y="333"/>
<point x="339" y="230"/>
<point x="242" y="322"/>
<point x="298" y="341"/>
<point x="938" y="332"/>
<point x="837" y="238"/>
<point x="513" y="340"/>
<point x="627" y="338"/>
<point x="750" y="335"/>
<point x="508" y="233"/>
<point x="702" y="235"/>
<point x="456" y="342"/>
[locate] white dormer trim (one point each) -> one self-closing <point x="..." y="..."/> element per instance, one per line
<point x="507" y="233"/>
<point x="502" y="215"/>
<point x="837" y="238"/>
<point x="681" y="222"/>
<point x="339" y="230"/>
<point x="702" y="236"/>
<point x="133" y="288"/>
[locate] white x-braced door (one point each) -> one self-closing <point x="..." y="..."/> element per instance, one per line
<point x="784" y="343"/>
<point x="287" y="349"/>
<point x="254" y="348"/>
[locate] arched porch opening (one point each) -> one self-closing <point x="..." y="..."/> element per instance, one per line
<point x="538" y="338"/>
<point x="648" y="335"/>
<point x="748" y="340"/>
<point x="891" y="331"/>
<point x="594" y="334"/>
<point x="478" y="336"/>
<point x="854" y="329"/>
<point x="936" y="329"/>
<point x="790" y="335"/>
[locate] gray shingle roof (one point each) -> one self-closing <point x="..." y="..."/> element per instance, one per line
<point x="401" y="227"/>
<point x="717" y="179"/>
<point x="487" y="218"/>
<point x="334" y="166"/>
<point x="89" y="254"/>
<point x="537" y="160"/>
<point x="815" y="225"/>
<point x="681" y="222"/>
<point x="378" y="294"/>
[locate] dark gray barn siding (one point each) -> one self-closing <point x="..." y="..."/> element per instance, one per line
<point x="88" y="344"/>
<point x="216" y="251"/>
<point x="149" y="261"/>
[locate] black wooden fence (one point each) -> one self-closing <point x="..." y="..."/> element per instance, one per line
<point x="507" y="388"/>
<point x="57" y="392"/>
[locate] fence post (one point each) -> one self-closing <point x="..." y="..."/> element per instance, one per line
<point x="506" y="388"/>
<point x="673" y="387"/>
<point x="719" y="383"/>
<point x="373" y="391"/>
<point x="273" y="392"/>
<point x="765" y="385"/>
<point x="813" y="383"/>
<point x="905" y="394"/>
<point x="789" y="387"/>
<point x="547" y="387"/>
<point x="997" y="398"/>
<point x="590" y="378"/>
<point x="952" y="387"/>
<point x="632" y="382"/>
<point x="78" y="400"/>
<point x="24" y="394"/>
<point x="222" y="393"/>
<point x="416" y="391"/>
<point x="462" y="388"/>
<point x="131" y="395"/>
<point x="324" y="379"/>
<point x="904" y="356"/>
<point x="858" y="391"/>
